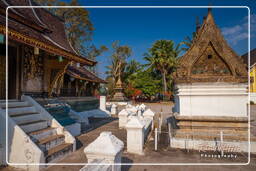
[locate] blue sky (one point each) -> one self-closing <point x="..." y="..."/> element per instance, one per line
<point x="140" y="28"/>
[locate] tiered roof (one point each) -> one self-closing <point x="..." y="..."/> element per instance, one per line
<point x="210" y="58"/>
<point x="82" y="73"/>
<point x="39" y="28"/>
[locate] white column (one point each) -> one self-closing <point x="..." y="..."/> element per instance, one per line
<point x="113" y="109"/>
<point x="103" y="103"/>
<point x="106" y="147"/>
<point x="135" y="135"/>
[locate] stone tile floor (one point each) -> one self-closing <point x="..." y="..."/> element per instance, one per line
<point x="163" y="155"/>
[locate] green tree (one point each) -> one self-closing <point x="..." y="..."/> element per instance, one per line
<point x="132" y="67"/>
<point x="147" y="82"/>
<point x="79" y="28"/>
<point x="162" y="57"/>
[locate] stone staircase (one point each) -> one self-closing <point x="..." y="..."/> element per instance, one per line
<point x="40" y="129"/>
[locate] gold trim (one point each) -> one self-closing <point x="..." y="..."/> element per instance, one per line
<point x="57" y="79"/>
<point x="52" y="49"/>
<point x="81" y="78"/>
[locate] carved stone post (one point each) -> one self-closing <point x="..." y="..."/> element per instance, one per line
<point x="135" y="135"/>
<point x="106" y="147"/>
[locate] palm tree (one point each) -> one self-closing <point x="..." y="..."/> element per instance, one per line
<point x="162" y="56"/>
<point x="188" y="41"/>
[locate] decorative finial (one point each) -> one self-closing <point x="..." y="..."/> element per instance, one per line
<point x="197" y="24"/>
<point x="209" y="8"/>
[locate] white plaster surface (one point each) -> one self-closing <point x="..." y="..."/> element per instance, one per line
<point x="123" y="118"/>
<point x="216" y="99"/>
<point x="74" y="129"/>
<point x="107" y="147"/>
<point x="149" y="114"/>
<point x="113" y="109"/>
<point x="103" y="105"/>
<point x="201" y="145"/>
<point x="135" y="135"/>
<point x="93" y="113"/>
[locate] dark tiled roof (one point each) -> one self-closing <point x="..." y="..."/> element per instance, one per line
<point x="253" y="57"/>
<point x="83" y="74"/>
<point x="38" y="24"/>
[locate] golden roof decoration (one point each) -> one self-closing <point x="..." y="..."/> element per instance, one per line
<point x="210" y="58"/>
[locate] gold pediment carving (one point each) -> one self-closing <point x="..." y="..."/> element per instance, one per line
<point x="210" y="63"/>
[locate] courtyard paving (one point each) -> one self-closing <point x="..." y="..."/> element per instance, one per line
<point x="163" y="155"/>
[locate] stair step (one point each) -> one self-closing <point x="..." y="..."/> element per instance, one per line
<point x="212" y="131"/>
<point x="50" y="138"/>
<point x="51" y="142"/>
<point x="15" y="104"/>
<point x="34" y="126"/>
<point x="42" y="133"/>
<point x="21" y="110"/>
<point x="58" y="152"/>
<point x="20" y="119"/>
<point x="24" y="114"/>
<point x="10" y="100"/>
<point x="211" y="118"/>
<point x="212" y="124"/>
<point x="212" y="137"/>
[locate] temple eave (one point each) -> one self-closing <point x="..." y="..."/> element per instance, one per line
<point x="44" y="46"/>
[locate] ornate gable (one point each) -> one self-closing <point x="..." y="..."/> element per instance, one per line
<point x="210" y="59"/>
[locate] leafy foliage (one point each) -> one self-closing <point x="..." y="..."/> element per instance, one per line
<point x="162" y="57"/>
<point x="79" y="28"/>
<point x="146" y="82"/>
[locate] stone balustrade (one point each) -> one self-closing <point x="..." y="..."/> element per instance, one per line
<point x="139" y="110"/>
<point x="138" y="128"/>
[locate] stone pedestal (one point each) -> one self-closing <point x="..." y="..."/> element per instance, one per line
<point x="113" y="109"/>
<point x="149" y="114"/>
<point x="123" y="118"/>
<point x="211" y="99"/>
<point x="106" y="147"/>
<point x="103" y="103"/>
<point x="135" y="135"/>
<point x="132" y="109"/>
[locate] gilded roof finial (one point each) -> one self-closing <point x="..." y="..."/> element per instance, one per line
<point x="209" y="8"/>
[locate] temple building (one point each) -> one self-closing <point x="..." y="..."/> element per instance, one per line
<point x="212" y="91"/>
<point x="41" y="61"/>
<point x="41" y="64"/>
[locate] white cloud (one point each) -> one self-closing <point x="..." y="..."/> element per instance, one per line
<point x="239" y="32"/>
<point x="231" y="30"/>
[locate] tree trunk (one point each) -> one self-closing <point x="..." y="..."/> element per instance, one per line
<point x="164" y="81"/>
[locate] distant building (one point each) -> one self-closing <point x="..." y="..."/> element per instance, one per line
<point x="252" y="68"/>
